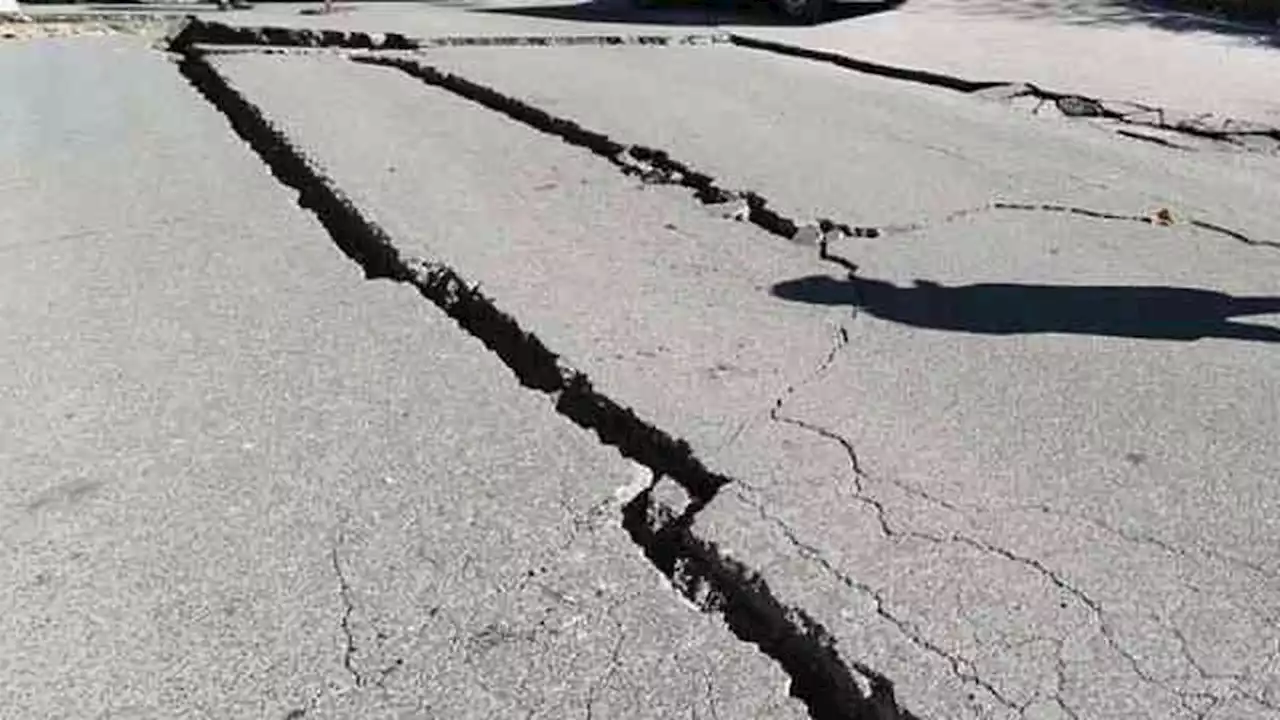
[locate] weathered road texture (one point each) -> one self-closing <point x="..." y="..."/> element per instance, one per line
<point x="1137" y="51"/>
<point x="1017" y="488"/>
<point x="240" y="480"/>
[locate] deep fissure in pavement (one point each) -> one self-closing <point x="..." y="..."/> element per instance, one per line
<point x="196" y="31"/>
<point x="802" y="647"/>
<point x="648" y="164"/>
<point x="677" y="553"/>
<point x="1069" y="104"/>
<point x="694" y="567"/>
<point x="656" y="166"/>
<point x="718" y="584"/>
<point x="1234" y="132"/>
<point x="366" y="243"/>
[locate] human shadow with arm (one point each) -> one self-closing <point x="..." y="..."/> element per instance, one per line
<point x="1154" y="312"/>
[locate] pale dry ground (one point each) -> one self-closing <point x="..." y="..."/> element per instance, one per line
<point x="1092" y="47"/>
<point x="1031" y="522"/>
<point x="239" y="480"/>
<point x="1021" y="464"/>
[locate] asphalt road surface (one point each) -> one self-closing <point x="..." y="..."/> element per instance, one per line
<point x="621" y="378"/>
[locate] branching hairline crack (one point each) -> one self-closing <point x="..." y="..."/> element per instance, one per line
<point x="369" y="245"/>
<point x="960" y="666"/>
<point x="860" y="476"/>
<point x="1157" y="542"/>
<point x="344" y="591"/>
<point x="1158" y="218"/>
<point x="787" y="634"/>
<point x="1095" y="608"/>
<point x="615" y="656"/>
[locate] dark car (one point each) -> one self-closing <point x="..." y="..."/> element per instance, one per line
<point x="806" y="12"/>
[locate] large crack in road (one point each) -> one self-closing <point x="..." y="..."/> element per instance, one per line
<point x="656" y="166"/>
<point x="805" y="650"/>
<point x="829" y="685"/>
<point x="1227" y="130"/>
<point x="195" y="31"/>
<point x="1239" y="134"/>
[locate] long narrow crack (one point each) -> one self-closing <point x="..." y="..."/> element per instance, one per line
<point x="1235" y="132"/>
<point x="961" y="667"/>
<point x="656" y="166"/>
<point x="1242" y="134"/>
<point x="696" y="567"/>
<point x="195" y="31"/>
<point x="805" y="650"/>
<point x="366" y="243"/>
<point x="615" y="662"/>
<point x="893" y="72"/>
<point x="348" y="609"/>
<point x="1139" y="114"/>
<point x="1266" y="574"/>
<point x="1162" y="217"/>
<point x="651" y="165"/>
<point x="716" y="583"/>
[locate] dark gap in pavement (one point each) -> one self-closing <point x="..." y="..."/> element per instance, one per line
<point x="717" y="584"/>
<point x="802" y="647"/>
<point x="197" y="32"/>
<point x="656" y="166"/>
<point x="926" y="77"/>
<point x="1235" y="132"/>
<point x="650" y="165"/>
<point x="366" y="243"/>
<point x="1244" y="135"/>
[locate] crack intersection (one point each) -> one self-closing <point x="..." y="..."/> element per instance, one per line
<point x="715" y="582"/>
<point x="695" y="567"/>
<point x="657" y="167"/>
<point x="960" y="666"/>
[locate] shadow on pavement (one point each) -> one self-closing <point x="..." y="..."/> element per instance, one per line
<point x="683" y="12"/>
<point x="1171" y="15"/>
<point x="1153" y="312"/>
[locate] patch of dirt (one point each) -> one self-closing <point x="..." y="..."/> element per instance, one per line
<point x="21" y="27"/>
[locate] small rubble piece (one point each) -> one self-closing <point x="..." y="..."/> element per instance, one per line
<point x="643" y="168"/>
<point x="1077" y="106"/>
<point x="735" y="207"/>
<point x="1162" y="217"/>
<point x="668" y="499"/>
<point x="808" y="235"/>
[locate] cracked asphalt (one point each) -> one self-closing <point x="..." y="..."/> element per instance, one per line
<point x="620" y="377"/>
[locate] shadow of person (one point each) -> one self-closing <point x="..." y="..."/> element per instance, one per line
<point x="1155" y="312"/>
